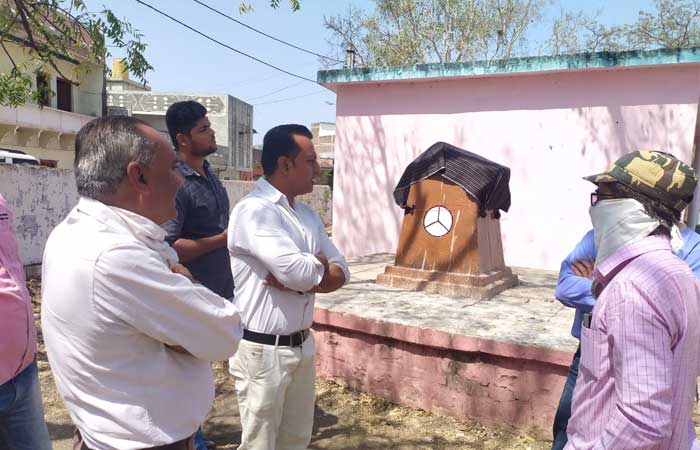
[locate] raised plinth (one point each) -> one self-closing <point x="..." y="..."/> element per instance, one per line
<point x="456" y="285"/>
<point x="500" y="362"/>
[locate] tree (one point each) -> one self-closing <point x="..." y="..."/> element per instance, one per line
<point x="672" y="24"/>
<point x="578" y="32"/>
<point x="51" y="30"/>
<point x="57" y="29"/>
<point x="422" y="31"/>
<point x="245" y="7"/>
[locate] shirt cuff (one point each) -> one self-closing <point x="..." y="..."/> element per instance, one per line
<point x="344" y="268"/>
<point x="320" y="271"/>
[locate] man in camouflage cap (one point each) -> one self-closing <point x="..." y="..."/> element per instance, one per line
<point x="656" y="175"/>
<point x="639" y="357"/>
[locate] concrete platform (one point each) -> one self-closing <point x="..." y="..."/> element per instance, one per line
<point x="497" y="361"/>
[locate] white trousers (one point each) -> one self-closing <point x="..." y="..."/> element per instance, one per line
<point x="276" y="394"/>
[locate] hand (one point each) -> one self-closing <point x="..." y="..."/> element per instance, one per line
<point x="223" y="238"/>
<point x="270" y="280"/>
<point x="323" y="261"/>
<point x="182" y="270"/>
<point x="583" y="268"/>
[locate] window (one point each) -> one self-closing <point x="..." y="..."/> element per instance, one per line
<point x="64" y="100"/>
<point x="43" y="89"/>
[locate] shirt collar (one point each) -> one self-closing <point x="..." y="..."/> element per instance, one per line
<point x="188" y="171"/>
<point x="627" y="252"/>
<point x="269" y="192"/>
<point x="121" y="218"/>
<point x="142" y="229"/>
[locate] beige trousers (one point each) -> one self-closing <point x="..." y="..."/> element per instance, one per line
<point x="276" y="394"/>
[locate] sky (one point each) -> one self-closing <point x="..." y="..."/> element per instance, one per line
<point x="186" y="62"/>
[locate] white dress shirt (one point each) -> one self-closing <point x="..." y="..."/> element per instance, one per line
<point x="109" y="304"/>
<point x="269" y="236"/>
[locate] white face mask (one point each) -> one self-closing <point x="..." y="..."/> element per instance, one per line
<point x="618" y="222"/>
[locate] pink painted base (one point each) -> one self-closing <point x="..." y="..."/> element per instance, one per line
<point x="493" y="383"/>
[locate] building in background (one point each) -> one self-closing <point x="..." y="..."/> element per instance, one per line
<point x="46" y="129"/>
<point x="231" y="119"/>
<point x="257" y="161"/>
<point x="551" y="120"/>
<point x="324" y="142"/>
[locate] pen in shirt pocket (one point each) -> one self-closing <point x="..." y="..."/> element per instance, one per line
<point x="587" y="320"/>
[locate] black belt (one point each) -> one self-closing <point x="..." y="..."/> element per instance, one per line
<point x="291" y="340"/>
<point x="185" y="444"/>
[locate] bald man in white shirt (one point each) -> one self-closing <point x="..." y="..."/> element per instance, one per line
<point x="280" y="257"/>
<point x="127" y="338"/>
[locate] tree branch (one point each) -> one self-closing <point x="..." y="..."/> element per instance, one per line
<point x="14" y="65"/>
<point x="30" y="36"/>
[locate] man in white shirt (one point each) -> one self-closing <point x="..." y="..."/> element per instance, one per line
<point x="280" y="257"/>
<point x="127" y="338"/>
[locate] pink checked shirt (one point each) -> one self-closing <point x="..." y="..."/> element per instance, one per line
<point x="639" y="358"/>
<point x="18" y="335"/>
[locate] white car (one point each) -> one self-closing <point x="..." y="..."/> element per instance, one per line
<point x="17" y="157"/>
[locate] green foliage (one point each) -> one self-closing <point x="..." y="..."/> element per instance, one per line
<point x="404" y="32"/>
<point x="671" y="24"/>
<point x="295" y="6"/>
<point x="15" y="88"/>
<point x="674" y="24"/>
<point x="52" y="30"/>
<point x="401" y="32"/>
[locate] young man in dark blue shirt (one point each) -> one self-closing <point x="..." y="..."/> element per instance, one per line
<point x="199" y="232"/>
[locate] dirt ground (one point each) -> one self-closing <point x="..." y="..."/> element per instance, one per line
<point x="345" y="419"/>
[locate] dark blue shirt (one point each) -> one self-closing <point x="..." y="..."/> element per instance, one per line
<point x="203" y="211"/>
<point x="575" y="292"/>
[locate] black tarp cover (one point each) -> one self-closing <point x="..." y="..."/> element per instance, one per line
<point x="486" y="181"/>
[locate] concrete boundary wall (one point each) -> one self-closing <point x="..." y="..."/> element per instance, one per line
<point x="41" y="197"/>
<point x="490" y="382"/>
<point x="321" y="199"/>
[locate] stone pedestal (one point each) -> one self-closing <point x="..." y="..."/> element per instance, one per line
<point x="445" y="248"/>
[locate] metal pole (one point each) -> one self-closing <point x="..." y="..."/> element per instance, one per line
<point x="350" y="57"/>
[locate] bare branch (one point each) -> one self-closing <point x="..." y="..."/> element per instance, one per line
<point x="14" y="65"/>
<point x="9" y="28"/>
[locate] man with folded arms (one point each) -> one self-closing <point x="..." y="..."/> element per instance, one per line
<point x="128" y="338"/>
<point x="280" y="257"/>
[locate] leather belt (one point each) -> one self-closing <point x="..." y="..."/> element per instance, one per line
<point x="291" y="340"/>
<point x="184" y="444"/>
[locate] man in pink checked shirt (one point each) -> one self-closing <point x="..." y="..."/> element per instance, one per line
<point x="22" y="425"/>
<point x="640" y="346"/>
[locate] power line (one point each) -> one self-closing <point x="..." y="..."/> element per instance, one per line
<point x="263" y="33"/>
<point x="290" y="98"/>
<point x="224" y="45"/>
<point x="275" y="91"/>
<point x="254" y="80"/>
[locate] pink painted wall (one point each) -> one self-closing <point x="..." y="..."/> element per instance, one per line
<point x="550" y="129"/>
<point x="492" y="383"/>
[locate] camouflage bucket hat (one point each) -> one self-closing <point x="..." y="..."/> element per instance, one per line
<point x="657" y="175"/>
